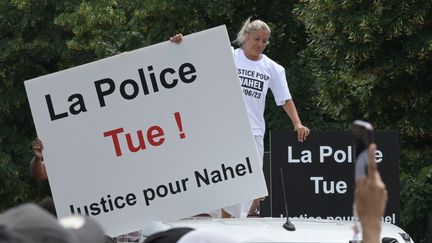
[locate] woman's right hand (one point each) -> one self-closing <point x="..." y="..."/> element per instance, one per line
<point x="176" y="38"/>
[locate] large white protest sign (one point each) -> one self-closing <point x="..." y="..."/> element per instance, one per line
<point x="158" y="133"/>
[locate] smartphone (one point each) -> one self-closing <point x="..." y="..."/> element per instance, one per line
<point x="362" y="138"/>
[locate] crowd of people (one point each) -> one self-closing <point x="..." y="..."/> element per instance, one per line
<point x="29" y="223"/>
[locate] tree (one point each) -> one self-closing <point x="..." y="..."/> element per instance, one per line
<point x="371" y="60"/>
<point x="31" y="45"/>
<point x="344" y="60"/>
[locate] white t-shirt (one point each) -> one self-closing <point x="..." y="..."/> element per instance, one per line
<point x="255" y="79"/>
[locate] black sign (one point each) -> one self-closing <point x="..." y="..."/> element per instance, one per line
<point x="319" y="174"/>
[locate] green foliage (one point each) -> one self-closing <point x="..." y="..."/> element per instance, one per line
<point x="108" y="27"/>
<point x="15" y="184"/>
<point x="30" y="46"/>
<point x="103" y="27"/>
<point x="371" y="60"/>
<point x="365" y="62"/>
<point x="344" y="60"/>
<point x="417" y="198"/>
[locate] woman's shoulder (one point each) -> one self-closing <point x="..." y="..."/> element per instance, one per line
<point x="236" y="51"/>
<point x="270" y="63"/>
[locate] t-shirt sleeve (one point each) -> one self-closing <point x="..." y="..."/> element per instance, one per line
<point x="279" y="85"/>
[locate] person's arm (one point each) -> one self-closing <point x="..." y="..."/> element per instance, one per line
<point x="37" y="165"/>
<point x="302" y="131"/>
<point x="370" y="200"/>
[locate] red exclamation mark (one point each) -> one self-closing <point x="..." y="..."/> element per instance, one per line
<point x="179" y="125"/>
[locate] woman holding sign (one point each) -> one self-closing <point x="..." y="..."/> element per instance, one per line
<point x="257" y="73"/>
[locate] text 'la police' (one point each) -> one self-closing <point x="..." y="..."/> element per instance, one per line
<point x="149" y="82"/>
<point x="327" y="153"/>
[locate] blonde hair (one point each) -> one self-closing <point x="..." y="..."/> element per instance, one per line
<point x="249" y="27"/>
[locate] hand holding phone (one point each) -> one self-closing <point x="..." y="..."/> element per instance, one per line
<point x="362" y="138"/>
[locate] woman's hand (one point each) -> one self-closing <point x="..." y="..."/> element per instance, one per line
<point x="177" y="39"/>
<point x="302" y="132"/>
<point x="371" y="199"/>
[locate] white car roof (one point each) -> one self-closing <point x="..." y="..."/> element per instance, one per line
<point x="271" y="230"/>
